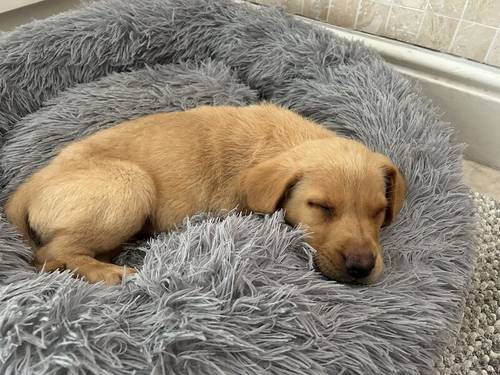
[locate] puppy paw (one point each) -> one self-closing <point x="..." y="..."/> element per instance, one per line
<point x="110" y="274"/>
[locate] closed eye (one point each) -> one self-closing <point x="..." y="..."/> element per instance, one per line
<point x="379" y="212"/>
<point x="327" y="210"/>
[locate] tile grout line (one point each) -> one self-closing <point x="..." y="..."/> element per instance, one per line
<point x="330" y="6"/>
<point x="460" y="21"/>
<point x="387" y="20"/>
<point x="358" y="10"/>
<point x="418" y="10"/>
<point x="417" y="37"/>
<point x="490" y="48"/>
<point x="471" y="22"/>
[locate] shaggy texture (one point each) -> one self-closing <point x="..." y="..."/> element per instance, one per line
<point x="476" y="349"/>
<point x="229" y="294"/>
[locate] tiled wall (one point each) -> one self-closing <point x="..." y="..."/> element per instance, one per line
<point x="467" y="28"/>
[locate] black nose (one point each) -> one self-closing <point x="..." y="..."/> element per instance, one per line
<point x="359" y="265"/>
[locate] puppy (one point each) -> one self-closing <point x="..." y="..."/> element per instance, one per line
<point x="154" y="171"/>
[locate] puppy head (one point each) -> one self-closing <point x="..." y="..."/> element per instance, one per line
<point x="340" y="192"/>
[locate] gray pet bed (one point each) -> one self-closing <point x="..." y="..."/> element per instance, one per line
<point x="230" y="294"/>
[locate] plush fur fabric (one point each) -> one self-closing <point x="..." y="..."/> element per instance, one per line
<point x="233" y="294"/>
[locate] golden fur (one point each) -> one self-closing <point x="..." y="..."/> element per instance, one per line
<point x="152" y="172"/>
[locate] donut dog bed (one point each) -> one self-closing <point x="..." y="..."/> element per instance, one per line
<point x="226" y="294"/>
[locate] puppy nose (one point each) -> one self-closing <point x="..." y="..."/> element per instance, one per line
<point x="359" y="265"/>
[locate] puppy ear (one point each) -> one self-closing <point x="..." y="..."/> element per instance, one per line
<point x="395" y="191"/>
<point x="264" y="187"/>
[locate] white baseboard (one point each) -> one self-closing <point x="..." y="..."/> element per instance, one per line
<point x="468" y="93"/>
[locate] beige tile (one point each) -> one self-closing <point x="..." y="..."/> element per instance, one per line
<point x="417" y="4"/>
<point x="269" y="2"/>
<point x="372" y="16"/>
<point x="316" y="9"/>
<point x="293" y="6"/>
<point x="494" y="54"/>
<point x="486" y="12"/>
<point x="343" y="12"/>
<point x="482" y="179"/>
<point x="472" y="40"/>
<point x="403" y="24"/>
<point x="450" y="8"/>
<point x="437" y="31"/>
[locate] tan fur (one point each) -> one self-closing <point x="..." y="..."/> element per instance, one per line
<point x="100" y="191"/>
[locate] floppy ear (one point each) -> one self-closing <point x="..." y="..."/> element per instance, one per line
<point x="395" y="191"/>
<point x="264" y="187"/>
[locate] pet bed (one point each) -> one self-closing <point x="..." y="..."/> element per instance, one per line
<point x="226" y="294"/>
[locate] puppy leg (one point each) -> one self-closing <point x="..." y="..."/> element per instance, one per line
<point x="63" y="253"/>
<point x="87" y="213"/>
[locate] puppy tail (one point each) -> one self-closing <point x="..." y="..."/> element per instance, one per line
<point x="16" y="210"/>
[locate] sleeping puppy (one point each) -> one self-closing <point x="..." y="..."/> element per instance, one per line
<point x="154" y="171"/>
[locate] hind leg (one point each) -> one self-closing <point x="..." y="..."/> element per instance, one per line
<point x="63" y="253"/>
<point x="87" y="213"/>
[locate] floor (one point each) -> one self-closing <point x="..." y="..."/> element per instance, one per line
<point x="482" y="179"/>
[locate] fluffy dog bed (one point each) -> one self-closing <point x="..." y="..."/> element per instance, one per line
<point x="228" y="294"/>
